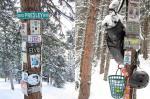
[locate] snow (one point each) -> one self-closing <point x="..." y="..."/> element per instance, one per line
<point x="48" y="92"/>
<point x="99" y="88"/>
<point x="111" y="20"/>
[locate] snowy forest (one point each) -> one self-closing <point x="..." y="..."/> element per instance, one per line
<point x="75" y="58"/>
<point x="57" y="41"/>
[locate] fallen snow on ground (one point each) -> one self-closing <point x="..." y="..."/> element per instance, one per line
<point x="48" y="92"/>
<point x="99" y="88"/>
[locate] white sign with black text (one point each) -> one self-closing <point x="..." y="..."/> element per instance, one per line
<point x="34" y="38"/>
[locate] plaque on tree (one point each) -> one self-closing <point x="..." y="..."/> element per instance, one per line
<point x="34" y="49"/>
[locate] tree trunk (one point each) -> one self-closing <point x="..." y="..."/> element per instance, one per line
<point x="107" y="65"/>
<point x="85" y="70"/>
<point x="11" y="80"/>
<point x="81" y="19"/>
<point x="31" y="6"/>
<point x="145" y="53"/>
<point x="103" y="54"/>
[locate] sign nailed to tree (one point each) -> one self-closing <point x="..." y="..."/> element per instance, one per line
<point x="35" y="49"/>
<point x="32" y="15"/>
<point x="134" y="11"/>
<point x="34" y="38"/>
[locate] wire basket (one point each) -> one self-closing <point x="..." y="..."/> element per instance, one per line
<point x="117" y="85"/>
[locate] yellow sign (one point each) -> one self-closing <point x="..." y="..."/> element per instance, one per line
<point x="132" y="43"/>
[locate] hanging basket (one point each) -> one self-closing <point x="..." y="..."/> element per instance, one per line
<point x="117" y="85"/>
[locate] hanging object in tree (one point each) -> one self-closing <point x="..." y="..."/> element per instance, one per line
<point x="117" y="85"/>
<point x="115" y="40"/>
<point x="127" y="58"/>
<point x="114" y="27"/>
<point x="139" y="79"/>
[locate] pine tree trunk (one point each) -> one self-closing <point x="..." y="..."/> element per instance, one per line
<point x="85" y="70"/>
<point x="81" y="18"/>
<point x="107" y="65"/>
<point x="11" y="80"/>
<point x="145" y="53"/>
<point x="31" y="6"/>
<point x="103" y="53"/>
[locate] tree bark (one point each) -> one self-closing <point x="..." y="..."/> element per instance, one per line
<point x="11" y="80"/>
<point x="107" y="65"/>
<point x="85" y="70"/>
<point x="31" y="6"/>
<point x="145" y="43"/>
<point x="103" y="54"/>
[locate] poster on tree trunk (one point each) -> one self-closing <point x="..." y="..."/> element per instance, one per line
<point x="23" y="29"/>
<point x="35" y="61"/>
<point x="34" y="38"/>
<point x="133" y="28"/>
<point x="34" y="79"/>
<point x="127" y="58"/>
<point x="134" y="11"/>
<point x="35" y="26"/>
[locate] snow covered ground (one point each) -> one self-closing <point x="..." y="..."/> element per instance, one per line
<point x="99" y="87"/>
<point x="48" y="92"/>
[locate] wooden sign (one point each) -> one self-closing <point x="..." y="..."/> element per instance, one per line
<point x="35" y="61"/>
<point x="34" y="49"/>
<point x="34" y="38"/>
<point x="35" y="26"/>
<point x="23" y="29"/>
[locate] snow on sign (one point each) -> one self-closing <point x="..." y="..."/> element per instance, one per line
<point x="134" y="11"/>
<point x="127" y="57"/>
<point x="23" y="29"/>
<point x="34" y="38"/>
<point x="33" y="79"/>
<point x="35" y="26"/>
<point x="35" y="60"/>
<point x="24" y="87"/>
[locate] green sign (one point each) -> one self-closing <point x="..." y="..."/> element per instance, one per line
<point x="32" y="15"/>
